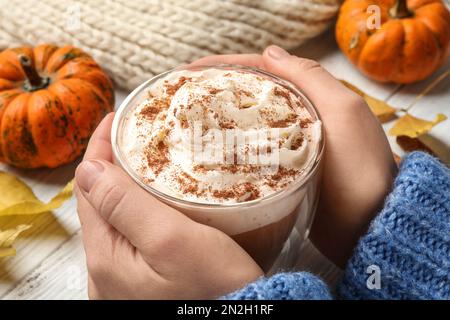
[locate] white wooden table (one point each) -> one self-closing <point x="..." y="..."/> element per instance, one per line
<point x="50" y="262"/>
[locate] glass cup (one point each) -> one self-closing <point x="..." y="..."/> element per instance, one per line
<point x="271" y="229"/>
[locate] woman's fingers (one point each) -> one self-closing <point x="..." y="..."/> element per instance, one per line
<point x="307" y="74"/>
<point x="97" y="234"/>
<point x="99" y="146"/>
<point x="250" y="60"/>
<point x="317" y="83"/>
<point x="146" y="222"/>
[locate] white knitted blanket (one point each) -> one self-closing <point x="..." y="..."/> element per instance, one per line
<point x="136" y="39"/>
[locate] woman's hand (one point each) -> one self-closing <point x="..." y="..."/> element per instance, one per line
<point x="139" y="248"/>
<point x="358" y="163"/>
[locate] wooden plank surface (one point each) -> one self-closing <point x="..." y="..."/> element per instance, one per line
<point x="436" y="101"/>
<point x="50" y="261"/>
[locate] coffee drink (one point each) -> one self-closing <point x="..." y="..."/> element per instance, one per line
<point x="230" y="147"/>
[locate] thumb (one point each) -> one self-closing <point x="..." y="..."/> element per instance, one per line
<point x="123" y="204"/>
<point x="306" y="74"/>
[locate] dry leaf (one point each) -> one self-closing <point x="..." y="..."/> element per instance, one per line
<point x="17" y="198"/>
<point x="413" y="144"/>
<point x="7" y="237"/>
<point x="413" y="127"/>
<point x="379" y="108"/>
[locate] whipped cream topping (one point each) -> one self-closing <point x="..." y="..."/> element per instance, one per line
<point x="219" y="136"/>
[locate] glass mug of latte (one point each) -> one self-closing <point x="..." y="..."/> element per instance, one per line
<point x="232" y="147"/>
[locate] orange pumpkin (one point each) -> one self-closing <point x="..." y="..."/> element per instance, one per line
<point x="412" y="42"/>
<point x="51" y="100"/>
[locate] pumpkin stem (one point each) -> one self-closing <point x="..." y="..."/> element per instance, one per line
<point x="400" y="10"/>
<point x="34" y="81"/>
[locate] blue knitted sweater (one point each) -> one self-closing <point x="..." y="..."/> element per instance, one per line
<point x="404" y="255"/>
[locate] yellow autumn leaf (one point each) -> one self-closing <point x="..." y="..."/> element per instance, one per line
<point x="379" y="108"/>
<point x="7" y="237"/>
<point x="413" y="127"/>
<point x="16" y="198"/>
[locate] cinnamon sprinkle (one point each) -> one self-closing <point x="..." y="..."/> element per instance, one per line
<point x="283" y="123"/>
<point x="157" y="156"/>
<point x="153" y="108"/>
<point x="276" y="180"/>
<point x="245" y="189"/>
<point x="199" y="168"/>
<point x="239" y="93"/>
<point x="281" y="92"/>
<point x="227" y="124"/>
<point x="238" y="191"/>
<point x="215" y="90"/>
<point x="223" y="194"/>
<point x="184" y="123"/>
<point x="230" y="168"/>
<point x="297" y="143"/>
<point x="304" y="123"/>
<point x="187" y="183"/>
<point x="284" y="172"/>
<point x="248" y="168"/>
<point x="171" y="89"/>
<point x="148" y="181"/>
<point x="242" y="92"/>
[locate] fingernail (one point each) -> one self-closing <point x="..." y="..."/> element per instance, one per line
<point x="276" y="52"/>
<point x="87" y="173"/>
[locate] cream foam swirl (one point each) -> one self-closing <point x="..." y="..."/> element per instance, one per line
<point x="220" y="136"/>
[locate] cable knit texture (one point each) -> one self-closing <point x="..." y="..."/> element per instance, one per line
<point x="284" y="286"/>
<point x="134" y="40"/>
<point x="409" y="241"/>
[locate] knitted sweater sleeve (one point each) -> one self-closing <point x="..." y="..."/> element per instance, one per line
<point x="404" y="255"/>
<point x="406" y="252"/>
